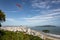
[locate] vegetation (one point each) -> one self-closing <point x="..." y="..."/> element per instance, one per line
<point x="2" y="17"/>
<point x="10" y="35"/>
<point x="46" y="31"/>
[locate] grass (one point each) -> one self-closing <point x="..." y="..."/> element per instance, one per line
<point x="10" y="35"/>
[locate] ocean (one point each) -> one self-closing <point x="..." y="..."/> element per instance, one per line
<point x="53" y="30"/>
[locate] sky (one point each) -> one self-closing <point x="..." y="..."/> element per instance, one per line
<point x="31" y="12"/>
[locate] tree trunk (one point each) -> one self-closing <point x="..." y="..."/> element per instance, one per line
<point x="0" y="24"/>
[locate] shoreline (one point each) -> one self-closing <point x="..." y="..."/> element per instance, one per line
<point x="33" y="32"/>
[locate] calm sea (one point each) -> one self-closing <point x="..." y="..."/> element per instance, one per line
<point x="53" y="30"/>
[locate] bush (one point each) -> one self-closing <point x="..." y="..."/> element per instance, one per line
<point x="10" y="35"/>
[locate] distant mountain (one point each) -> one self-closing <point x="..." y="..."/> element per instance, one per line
<point x="46" y="26"/>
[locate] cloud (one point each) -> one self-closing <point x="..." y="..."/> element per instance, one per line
<point x="11" y="19"/>
<point x="46" y="16"/>
<point x="52" y="14"/>
<point x="41" y="18"/>
<point x="40" y="4"/>
<point x="44" y="4"/>
<point x="11" y="11"/>
<point x="55" y="10"/>
<point x="55" y="1"/>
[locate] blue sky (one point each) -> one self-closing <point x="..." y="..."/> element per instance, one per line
<point x="31" y="12"/>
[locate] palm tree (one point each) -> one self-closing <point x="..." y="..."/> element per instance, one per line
<point x="2" y="17"/>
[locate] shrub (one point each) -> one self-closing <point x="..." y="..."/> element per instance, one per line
<point x="10" y="35"/>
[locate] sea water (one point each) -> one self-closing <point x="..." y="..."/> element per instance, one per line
<point x="53" y="30"/>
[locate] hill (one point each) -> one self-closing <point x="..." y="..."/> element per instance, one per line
<point x="46" y="26"/>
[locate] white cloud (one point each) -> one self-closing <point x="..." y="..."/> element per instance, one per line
<point x="46" y="4"/>
<point x="35" y="10"/>
<point x="55" y="1"/>
<point x="52" y="14"/>
<point x="40" y="4"/>
<point x="10" y="19"/>
<point x="58" y="9"/>
<point x="11" y="11"/>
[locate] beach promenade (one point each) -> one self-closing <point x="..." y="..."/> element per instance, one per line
<point x="45" y="36"/>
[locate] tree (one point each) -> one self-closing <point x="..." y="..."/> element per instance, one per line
<point x="2" y="17"/>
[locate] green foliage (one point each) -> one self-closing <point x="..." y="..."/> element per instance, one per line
<point x="10" y="35"/>
<point x="46" y="31"/>
<point x="2" y="17"/>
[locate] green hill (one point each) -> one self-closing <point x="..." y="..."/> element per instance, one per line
<point x="10" y="35"/>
